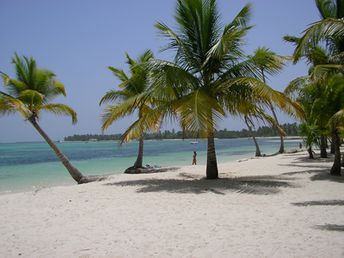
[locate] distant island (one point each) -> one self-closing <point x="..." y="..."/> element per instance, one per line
<point x="263" y="131"/>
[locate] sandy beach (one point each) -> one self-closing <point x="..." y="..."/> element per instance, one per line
<point x="281" y="206"/>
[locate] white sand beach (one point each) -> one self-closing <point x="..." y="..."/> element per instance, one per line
<point x="281" y="206"/>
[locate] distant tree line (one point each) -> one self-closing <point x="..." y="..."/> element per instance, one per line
<point x="263" y="131"/>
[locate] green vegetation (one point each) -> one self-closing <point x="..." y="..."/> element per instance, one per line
<point x="321" y="92"/>
<point x="264" y="131"/>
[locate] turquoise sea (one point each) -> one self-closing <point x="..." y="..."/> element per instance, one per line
<point x="29" y="166"/>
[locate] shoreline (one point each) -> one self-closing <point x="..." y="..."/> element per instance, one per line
<point x="45" y="170"/>
<point x="172" y="139"/>
<point x="280" y="206"/>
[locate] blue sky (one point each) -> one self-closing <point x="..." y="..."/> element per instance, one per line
<point x="78" y="39"/>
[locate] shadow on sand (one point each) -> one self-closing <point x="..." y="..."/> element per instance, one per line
<point x="331" y="227"/>
<point x="260" y="185"/>
<point x="320" y="203"/>
<point x="319" y="168"/>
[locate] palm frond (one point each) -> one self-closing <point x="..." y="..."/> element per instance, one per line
<point x="322" y="72"/>
<point x="60" y="109"/>
<point x="170" y="80"/>
<point x="114" y="112"/>
<point x="267" y="61"/>
<point x="11" y="105"/>
<point x="296" y="85"/>
<point x="150" y="120"/>
<point x="327" y="8"/>
<point x="120" y="74"/>
<point x="31" y="97"/>
<point x="199" y="111"/>
<point x="322" y="30"/>
<point x="337" y="119"/>
<point x="113" y="95"/>
<point x="242" y="18"/>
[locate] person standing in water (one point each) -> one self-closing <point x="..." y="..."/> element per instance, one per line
<point x="194" y="160"/>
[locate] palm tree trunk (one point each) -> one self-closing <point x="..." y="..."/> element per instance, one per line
<point x="333" y="147"/>
<point x="281" y="149"/>
<point x="258" y="153"/>
<point x="323" y="143"/>
<point x="139" y="160"/>
<point x="336" y="167"/>
<point x="211" y="171"/>
<point x="310" y="152"/>
<point x="73" y="171"/>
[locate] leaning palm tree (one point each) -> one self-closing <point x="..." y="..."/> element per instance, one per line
<point x="29" y="94"/>
<point x="209" y="76"/>
<point x="268" y="62"/>
<point x="252" y="111"/>
<point x="249" y="123"/>
<point x="127" y="100"/>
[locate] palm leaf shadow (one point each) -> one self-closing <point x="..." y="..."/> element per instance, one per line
<point x="259" y="185"/>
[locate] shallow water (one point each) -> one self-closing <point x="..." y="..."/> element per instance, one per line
<point x="27" y="166"/>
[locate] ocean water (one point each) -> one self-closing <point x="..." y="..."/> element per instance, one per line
<point x="29" y="166"/>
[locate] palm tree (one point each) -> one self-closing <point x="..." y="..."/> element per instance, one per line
<point x="209" y="77"/>
<point x="249" y="123"/>
<point x="311" y="136"/>
<point x="251" y="111"/>
<point x="268" y="62"/>
<point x="127" y="100"/>
<point x="29" y="94"/>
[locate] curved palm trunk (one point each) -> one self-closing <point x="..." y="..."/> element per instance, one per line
<point x="281" y="149"/>
<point x="139" y="160"/>
<point x="211" y="171"/>
<point x="74" y="172"/>
<point x="258" y="153"/>
<point x="323" y="144"/>
<point x="336" y="167"/>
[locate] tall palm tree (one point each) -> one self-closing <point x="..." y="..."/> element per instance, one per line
<point x="209" y="76"/>
<point x="132" y="87"/>
<point x="29" y="94"/>
<point x="268" y="62"/>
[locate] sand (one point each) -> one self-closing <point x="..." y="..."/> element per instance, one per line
<point x="281" y="206"/>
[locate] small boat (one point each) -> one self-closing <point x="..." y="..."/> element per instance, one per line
<point x="194" y="142"/>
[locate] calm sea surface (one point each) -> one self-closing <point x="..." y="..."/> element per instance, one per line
<point x="28" y="166"/>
